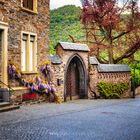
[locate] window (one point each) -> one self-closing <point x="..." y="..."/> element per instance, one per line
<point x="29" y="53"/>
<point x="30" y="5"/>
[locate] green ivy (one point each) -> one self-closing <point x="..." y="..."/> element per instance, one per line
<point x="108" y="90"/>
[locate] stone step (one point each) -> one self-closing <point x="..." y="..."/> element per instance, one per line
<point x="9" y="108"/>
<point x="3" y="104"/>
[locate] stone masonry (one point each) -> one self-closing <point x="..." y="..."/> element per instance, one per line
<point x="18" y="20"/>
<point x="110" y="74"/>
<point x="59" y="70"/>
<point x="22" y="20"/>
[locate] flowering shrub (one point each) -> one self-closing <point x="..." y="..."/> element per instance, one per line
<point x="35" y="85"/>
<point x="11" y="71"/>
<point x="46" y="70"/>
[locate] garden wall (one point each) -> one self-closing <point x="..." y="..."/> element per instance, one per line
<point x="108" y="73"/>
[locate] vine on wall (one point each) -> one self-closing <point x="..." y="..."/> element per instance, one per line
<point x="36" y="85"/>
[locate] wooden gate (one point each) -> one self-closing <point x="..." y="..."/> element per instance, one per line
<point x="72" y="84"/>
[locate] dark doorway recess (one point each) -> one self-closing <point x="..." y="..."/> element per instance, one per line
<point x="75" y="79"/>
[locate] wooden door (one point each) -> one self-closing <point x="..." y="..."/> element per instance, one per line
<point x="72" y="84"/>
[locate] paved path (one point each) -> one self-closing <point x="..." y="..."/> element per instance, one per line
<point x="75" y="120"/>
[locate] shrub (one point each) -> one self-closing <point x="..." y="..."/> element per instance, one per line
<point x="108" y="90"/>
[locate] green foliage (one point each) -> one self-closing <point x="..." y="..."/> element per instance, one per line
<point x="52" y="50"/>
<point x="108" y="90"/>
<point x="65" y="22"/>
<point x="136" y="76"/>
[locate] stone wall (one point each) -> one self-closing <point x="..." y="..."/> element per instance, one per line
<point x="18" y="20"/>
<point x="109" y="77"/>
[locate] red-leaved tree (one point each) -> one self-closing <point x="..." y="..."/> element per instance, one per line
<point x="112" y="25"/>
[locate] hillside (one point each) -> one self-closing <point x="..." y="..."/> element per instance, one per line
<point x="65" y="22"/>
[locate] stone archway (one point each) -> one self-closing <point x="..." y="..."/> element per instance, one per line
<point x="75" y="79"/>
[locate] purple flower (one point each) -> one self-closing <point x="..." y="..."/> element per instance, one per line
<point x="11" y="71"/>
<point x="33" y="87"/>
<point x="51" y="87"/>
<point x="43" y="68"/>
<point x="38" y="80"/>
<point x="24" y="82"/>
<point x="48" y="68"/>
<point x="42" y="86"/>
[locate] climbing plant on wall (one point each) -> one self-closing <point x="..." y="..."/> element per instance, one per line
<point x="36" y="85"/>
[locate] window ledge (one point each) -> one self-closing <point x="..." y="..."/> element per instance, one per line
<point x="19" y="88"/>
<point x="3" y="23"/>
<point x="29" y="11"/>
<point x="28" y="72"/>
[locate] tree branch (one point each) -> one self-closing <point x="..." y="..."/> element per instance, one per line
<point x="120" y="35"/>
<point x="129" y="52"/>
<point x="72" y="38"/>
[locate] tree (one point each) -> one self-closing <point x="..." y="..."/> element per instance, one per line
<point x="113" y="25"/>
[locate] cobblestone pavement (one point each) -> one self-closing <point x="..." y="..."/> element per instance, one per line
<point x="75" y="120"/>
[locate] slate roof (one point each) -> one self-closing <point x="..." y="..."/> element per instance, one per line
<point x="74" y="46"/>
<point x="55" y="59"/>
<point x="113" y="68"/>
<point x="93" y="61"/>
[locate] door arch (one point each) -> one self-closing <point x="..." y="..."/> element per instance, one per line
<point x="75" y="79"/>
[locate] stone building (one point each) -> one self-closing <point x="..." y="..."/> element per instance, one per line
<point x="24" y="38"/>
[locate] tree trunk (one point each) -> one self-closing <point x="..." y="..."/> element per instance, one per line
<point x="110" y="50"/>
<point x="110" y="55"/>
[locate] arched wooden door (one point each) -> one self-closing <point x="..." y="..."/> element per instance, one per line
<point x="75" y="80"/>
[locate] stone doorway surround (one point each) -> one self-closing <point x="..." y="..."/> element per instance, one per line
<point x="4" y="53"/>
<point x="75" y="78"/>
<point x="67" y="52"/>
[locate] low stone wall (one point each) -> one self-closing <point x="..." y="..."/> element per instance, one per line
<point x="109" y="77"/>
<point x="20" y="94"/>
